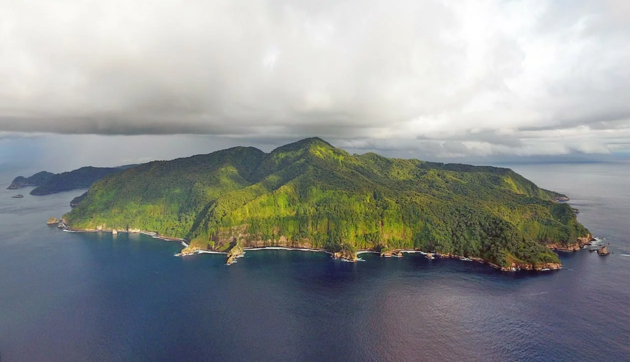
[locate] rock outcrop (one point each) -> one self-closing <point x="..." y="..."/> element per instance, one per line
<point x="234" y="252"/>
<point x="189" y="250"/>
<point x="548" y="266"/>
<point x="603" y="251"/>
<point x="346" y="254"/>
<point x="388" y="253"/>
<point x="579" y="244"/>
<point x="562" y="198"/>
<point x="526" y="266"/>
<point x="52" y="221"/>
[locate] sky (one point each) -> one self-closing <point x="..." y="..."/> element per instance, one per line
<point x="127" y="81"/>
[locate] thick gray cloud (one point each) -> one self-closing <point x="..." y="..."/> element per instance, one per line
<point x="447" y="77"/>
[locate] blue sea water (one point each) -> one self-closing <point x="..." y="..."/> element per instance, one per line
<point x="98" y="297"/>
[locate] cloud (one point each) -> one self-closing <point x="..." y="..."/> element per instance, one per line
<point x="463" y="77"/>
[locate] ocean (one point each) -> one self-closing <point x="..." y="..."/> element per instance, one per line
<point x="98" y="297"/>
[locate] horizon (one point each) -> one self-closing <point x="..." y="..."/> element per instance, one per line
<point x="34" y="163"/>
<point x="472" y="205"/>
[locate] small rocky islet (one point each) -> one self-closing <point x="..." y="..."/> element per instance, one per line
<point x="603" y="251"/>
<point x="52" y="221"/>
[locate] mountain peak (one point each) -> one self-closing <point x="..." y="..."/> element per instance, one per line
<point x="315" y="140"/>
<point x="303" y="144"/>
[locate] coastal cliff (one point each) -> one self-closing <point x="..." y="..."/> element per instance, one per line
<point x="578" y="244"/>
<point x="388" y="253"/>
<point x="235" y="251"/>
<point x="527" y="266"/>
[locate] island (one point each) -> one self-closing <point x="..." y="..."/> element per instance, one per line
<point x="311" y="195"/>
<point x="47" y="183"/>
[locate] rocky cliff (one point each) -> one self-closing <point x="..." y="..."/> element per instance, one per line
<point x="574" y="246"/>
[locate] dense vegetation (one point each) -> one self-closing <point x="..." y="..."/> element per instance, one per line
<point x="75" y="201"/>
<point x="35" y="180"/>
<point x="49" y="183"/>
<point x="310" y="193"/>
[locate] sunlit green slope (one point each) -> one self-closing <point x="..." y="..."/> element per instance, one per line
<point x="310" y="193"/>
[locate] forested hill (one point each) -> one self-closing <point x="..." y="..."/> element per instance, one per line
<point x="311" y="194"/>
<point x="49" y="183"/>
<point x="35" y="180"/>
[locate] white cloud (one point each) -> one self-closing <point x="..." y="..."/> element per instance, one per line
<point x="465" y="77"/>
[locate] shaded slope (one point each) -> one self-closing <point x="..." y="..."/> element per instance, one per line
<point x="81" y="178"/>
<point x="49" y="183"/>
<point x="35" y="180"/>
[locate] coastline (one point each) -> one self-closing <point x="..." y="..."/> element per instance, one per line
<point x="582" y="242"/>
<point x="154" y="235"/>
<point x="397" y="253"/>
<point x="429" y="255"/>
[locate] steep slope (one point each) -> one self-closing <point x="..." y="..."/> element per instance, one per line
<point x="170" y="197"/>
<point x="311" y="194"/>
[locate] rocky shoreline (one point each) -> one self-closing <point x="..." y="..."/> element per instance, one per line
<point x="236" y="250"/>
<point x="513" y="268"/>
<point x="579" y="245"/>
<point x="63" y="225"/>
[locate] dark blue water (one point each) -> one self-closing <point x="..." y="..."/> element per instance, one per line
<point x="98" y="297"/>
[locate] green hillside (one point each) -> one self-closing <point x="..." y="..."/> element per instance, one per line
<point x="311" y="194"/>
